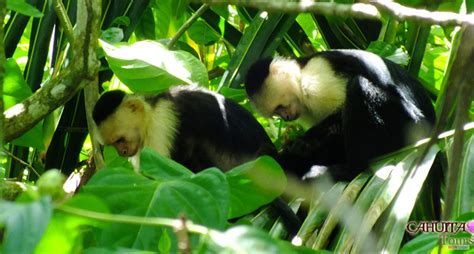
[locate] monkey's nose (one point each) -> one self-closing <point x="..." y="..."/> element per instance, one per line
<point x="290" y="117"/>
<point x="124" y="152"/>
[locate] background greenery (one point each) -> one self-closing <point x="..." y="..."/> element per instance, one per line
<point x="148" y="46"/>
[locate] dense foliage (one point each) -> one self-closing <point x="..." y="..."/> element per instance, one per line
<point x="148" y="46"/>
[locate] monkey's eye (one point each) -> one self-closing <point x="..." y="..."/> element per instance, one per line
<point x="120" y="140"/>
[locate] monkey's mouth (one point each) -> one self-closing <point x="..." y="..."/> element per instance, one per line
<point x="128" y="152"/>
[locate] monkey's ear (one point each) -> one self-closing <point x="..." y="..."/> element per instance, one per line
<point x="136" y="105"/>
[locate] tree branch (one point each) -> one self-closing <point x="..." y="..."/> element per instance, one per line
<point x="400" y="12"/>
<point x="358" y="9"/>
<point x="370" y="10"/>
<point x="91" y="95"/>
<point x="55" y="92"/>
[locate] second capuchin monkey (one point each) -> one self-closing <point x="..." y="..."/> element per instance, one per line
<point x="195" y="127"/>
<point x="357" y="105"/>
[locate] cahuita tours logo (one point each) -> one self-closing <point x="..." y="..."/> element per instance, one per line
<point x="451" y="233"/>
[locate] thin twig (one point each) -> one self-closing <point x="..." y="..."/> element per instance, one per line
<point x="24" y="163"/>
<point x="187" y="25"/>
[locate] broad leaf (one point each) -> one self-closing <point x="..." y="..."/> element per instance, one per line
<point x="148" y="66"/>
<point x="202" y="198"/>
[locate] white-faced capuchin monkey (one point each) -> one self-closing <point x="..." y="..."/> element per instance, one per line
<point x="197" y="128"/>
<point x="358" y="104"/>
<point x="192" y="126"/>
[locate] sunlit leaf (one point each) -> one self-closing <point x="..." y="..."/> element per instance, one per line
<point x="148" y="66"/>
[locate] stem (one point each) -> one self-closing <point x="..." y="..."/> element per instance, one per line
<point x="149" y="221"/>
<point x="64" y="20"/>
<point x="187" y="25"/>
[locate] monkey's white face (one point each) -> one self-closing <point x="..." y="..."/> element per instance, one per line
<point x="278" y="95"/>
<point x="124" y="129"/>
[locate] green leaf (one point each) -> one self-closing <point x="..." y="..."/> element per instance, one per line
<point x="15" y="91"/>
<point x="389" y="51"/>
<point x="254" y="184"/>
<point x="202" y="34"/>
<point x="202" y="198"/>
<point x="24" y="224"/>
<point x="119" y="188"/>
<point x="148" y="66"/>
<point x="158" y="167"/>
<point x="24" y="8"/>
<point x="114" y="160"/>
<point x="246" y="239"/>
<point x="146" y="26"/>
<point x="112" y="35"/>
<point x="203" y="194"/>
<point x="423" y="243"/>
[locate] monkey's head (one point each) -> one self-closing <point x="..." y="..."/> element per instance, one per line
<point x="120" y="121"/>
<point x="274" y="86"/>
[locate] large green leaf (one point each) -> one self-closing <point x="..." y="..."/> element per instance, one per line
<point x="202" y="198"/>
<point x="24" y="224"/>
<point x="16" y="90"/>
<point x="148" y="66"/>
